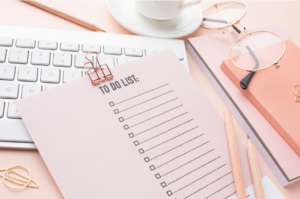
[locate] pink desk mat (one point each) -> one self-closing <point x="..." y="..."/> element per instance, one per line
<point x="24" y="14"/>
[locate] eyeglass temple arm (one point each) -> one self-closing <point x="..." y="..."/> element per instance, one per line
<point x="222" y="21"/>
<point x="246" y="80"/>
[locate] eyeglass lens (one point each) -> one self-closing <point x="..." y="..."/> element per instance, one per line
<point x="223" y="14"/>
<point x="257" y="51"/>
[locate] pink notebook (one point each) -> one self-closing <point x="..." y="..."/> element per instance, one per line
<point x="149" y="133"/>
<point x="209" y="52"/>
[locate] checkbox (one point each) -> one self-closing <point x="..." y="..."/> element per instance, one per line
<point x="157" y="176"/>
<point x="152" y="167"/>
<point x="141" y="151"/>
<point x="136" y="143"/>
<point x="131" y="135"/>
<point x="116" y="111"/>
<point x="126" y="127"/>
<point x="111" y="103"/>
<point x="163" y="184"/>
<point x="147" y="159"/>
<point x="169" y="193"/>
<point x="121" y="119"/>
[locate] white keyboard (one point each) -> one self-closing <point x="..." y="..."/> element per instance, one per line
<point x="33" y="60"/>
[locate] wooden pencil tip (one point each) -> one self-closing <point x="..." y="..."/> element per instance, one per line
<point x="248" y="137"/>
<point x="227" y="112"/>
<point x="97" y="28"/>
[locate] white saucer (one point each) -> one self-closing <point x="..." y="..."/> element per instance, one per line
<point x="125" y="13"/>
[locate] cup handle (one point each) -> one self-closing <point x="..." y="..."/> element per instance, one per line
<point x="187" y="4"/>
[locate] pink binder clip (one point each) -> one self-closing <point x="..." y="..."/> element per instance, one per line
<point x="93" y="72"/>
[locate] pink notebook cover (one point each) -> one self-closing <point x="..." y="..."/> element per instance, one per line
<point x="148" y="133"/>
<point x="210" y="51"/>
<point x="270" y="92"/>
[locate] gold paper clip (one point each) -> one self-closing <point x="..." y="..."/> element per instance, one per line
<point x="96" y="67"/>
<point x="296" y="93"/>
<point x="24" y="183"/>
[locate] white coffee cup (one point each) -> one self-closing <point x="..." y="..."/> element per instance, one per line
<point x="162" y="10"/>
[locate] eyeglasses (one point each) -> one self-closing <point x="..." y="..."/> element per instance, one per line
<point x="252" y="51"/>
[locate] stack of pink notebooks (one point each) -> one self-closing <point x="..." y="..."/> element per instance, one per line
<point x="270" y="92"/>
<point x="274" y="130"/>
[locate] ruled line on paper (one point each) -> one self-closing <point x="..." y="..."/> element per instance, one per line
<point x="187" y="163"/>
<point x="182" y="154"/>
<point x="230" y="195"/>
<point x="193" y="171"/>
<point x="235" y="193"/>
<point x="163" y="123"/>
<point x="150" y="109"/>
<point x="220" y="190"/>
<point x="156" y="116"/>
<point x="171" y="139"/>
<point x="142" y="94"/>
<point x="176" y="147"/>
<point x="145" y="101"/>
<point x="164" y="131"/>
<point x="207" y="184"/>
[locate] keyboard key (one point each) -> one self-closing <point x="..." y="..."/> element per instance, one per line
<point x="71" y="74"/>
<point x="135" y="52"/>
<point x="106" y="60"/>
<point x="29" y="89"/>
<point x="9" y="90"/>
<point x="80" y="60"/>
<point x="6" y="41"/>
<point x="2" y="104"/>
<point x="47" y="45"/>
<point x="150" y="51"/>
<point x="25" y="43"/>
<point x="7" y="72"/>
<point x="18" y="56"/>
<point x="28" y="73"/>
<point x="2" y="55"/>
<point x="67" y="46"/>
<point x="49" y="86"/>
<point x="50" y="75"/>
<point x="121" y="60"/>
<point x="12" y="111"/>
<point x="62" y="59"/>
<point x="91" y="47"/>
<point x="112" y="50"/>
<point x="39" y="57"/>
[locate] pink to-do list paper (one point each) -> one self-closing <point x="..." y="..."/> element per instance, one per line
<point x="149" y="133"/>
